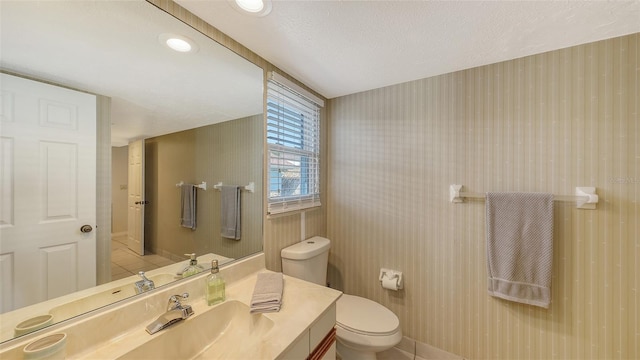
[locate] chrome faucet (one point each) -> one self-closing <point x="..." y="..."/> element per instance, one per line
<point x="175" y="312"/>
<point x="144" y="284"/>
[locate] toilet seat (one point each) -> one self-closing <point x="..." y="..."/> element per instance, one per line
<point x="366" y="317"/>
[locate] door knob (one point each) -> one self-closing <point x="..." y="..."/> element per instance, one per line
<point x="86" y="229"/>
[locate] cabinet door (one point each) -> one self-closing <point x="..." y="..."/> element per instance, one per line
<point x="317" y="342"/>
<point x="299" y="350"/>
<point x="322" y="336"/>
<point x="325" y="323"/>
<point x="331" y="353"/>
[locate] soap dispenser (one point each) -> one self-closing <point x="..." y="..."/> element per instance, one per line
<point x="214" y="290"/>
<point x="193" y="267"/>
<point x="143" y="285"/>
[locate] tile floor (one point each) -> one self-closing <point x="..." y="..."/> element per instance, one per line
<point x="125" y="262"/>
<point x="396" y="354"/>
<point x="393" y="354"/>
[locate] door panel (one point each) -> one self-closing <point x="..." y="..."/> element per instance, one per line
<point x="47" y="184"/>
<point x="59" y="174"/>
<point x="6" y="182"/>
<point x="136" y="202"/>
<point x="58" y="261"/>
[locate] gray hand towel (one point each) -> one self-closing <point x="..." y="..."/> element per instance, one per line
<point x="520" y="246"/>
<point x="188" y="206"/>
<point x="230" y="212"/>
<point x="267" y="293"/>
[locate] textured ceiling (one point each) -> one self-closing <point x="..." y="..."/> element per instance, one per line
<point x="344" y="47"/>
<point x="111" y="48"/>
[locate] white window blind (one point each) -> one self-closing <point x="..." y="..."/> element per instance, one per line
<point x="293" y="141"/>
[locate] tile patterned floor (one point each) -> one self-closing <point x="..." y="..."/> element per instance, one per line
<point x="396" y="354"/>
<point x="125" y="262"/>
<point x="393" y="354"/>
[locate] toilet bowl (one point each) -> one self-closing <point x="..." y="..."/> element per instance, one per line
<point x="363" y="327"/>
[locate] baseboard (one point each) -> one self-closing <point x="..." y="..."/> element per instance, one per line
<point x="425" y="351"/>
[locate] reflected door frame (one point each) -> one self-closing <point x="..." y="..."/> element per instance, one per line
<point x="136" y="201"/>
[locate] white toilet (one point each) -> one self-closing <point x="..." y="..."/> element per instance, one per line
<point x="364" y="327"/>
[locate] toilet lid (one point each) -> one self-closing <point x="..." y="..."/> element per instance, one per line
<point x="365" y="316"/>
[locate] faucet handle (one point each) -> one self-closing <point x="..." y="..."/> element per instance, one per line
<point x="143" y="276"/>
<point x="174" y="301"/>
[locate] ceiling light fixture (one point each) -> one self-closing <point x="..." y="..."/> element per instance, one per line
<point x="252" y="7"/>
<point x="178" y="43"/>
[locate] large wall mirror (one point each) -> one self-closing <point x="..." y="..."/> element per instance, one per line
<point x="174" y="119"/>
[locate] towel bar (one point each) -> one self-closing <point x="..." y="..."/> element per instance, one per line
<point x="251" y="187"/>
<point x="585" y="196"/>
<point x="202" y="185"/>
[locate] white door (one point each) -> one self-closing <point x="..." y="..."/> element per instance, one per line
<point x="136" y="202"/>
<point x="48" y="191"/>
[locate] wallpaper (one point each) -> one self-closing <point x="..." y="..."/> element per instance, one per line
<point x="543" y="123"/>
<point x="229" y="152"/>
<point x="546" y="123"/>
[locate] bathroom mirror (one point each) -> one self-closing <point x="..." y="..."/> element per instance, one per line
<point x="210" y="96"/>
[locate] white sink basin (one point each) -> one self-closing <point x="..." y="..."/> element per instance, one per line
<point x="95" y="301"/>
<point x="224" y="331"/>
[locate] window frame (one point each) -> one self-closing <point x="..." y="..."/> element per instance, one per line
<point x="293" y="144"/>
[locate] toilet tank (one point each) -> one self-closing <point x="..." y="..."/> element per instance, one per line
<point x="307" y="260"/>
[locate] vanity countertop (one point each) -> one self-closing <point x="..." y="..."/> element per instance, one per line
<point x="121" y="289"/>
<point x="302" y="304"/>
<point x="115" y="331"/>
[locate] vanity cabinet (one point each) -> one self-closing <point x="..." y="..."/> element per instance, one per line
<point x="317" y="342"/>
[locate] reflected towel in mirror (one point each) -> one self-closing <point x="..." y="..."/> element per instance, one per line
<point x="188" y="206"/>
<point x="230" y="212"/>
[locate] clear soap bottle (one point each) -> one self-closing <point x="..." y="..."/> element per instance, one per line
<point x="215" y="285"/>
<point x="193" y="267"/>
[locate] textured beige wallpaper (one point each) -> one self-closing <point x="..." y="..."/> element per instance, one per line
<point x="228" y="152"/>
<point x="119" y="179"/>
<point x="231" y="153"/>
<point x="544" y="123"/>
<point x="169" y="159"/>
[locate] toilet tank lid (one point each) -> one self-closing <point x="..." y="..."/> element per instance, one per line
<point x="306" y="249"/>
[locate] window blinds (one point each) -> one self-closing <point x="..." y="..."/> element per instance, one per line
<point x="293" y="141"/>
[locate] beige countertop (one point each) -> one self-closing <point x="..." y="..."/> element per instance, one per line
<point x="122" y="288"/>
<point x="115" y="332"/>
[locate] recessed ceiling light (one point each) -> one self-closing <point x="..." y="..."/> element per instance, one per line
<point x="252" y="7"/>
<point x="178" y="42"/>
<point x="179" y="45"/>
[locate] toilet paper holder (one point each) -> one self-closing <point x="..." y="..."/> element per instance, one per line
<point x="391" y="275"/>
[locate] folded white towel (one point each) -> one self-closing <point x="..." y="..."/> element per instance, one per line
<point x="267" y="293"/>
<point x="520" y="246"/>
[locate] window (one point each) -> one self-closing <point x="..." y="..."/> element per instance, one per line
<point x="293" y="142"/>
